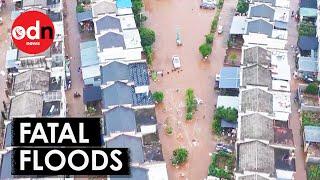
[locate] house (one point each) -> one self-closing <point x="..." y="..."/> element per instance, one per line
<point x="256" y="55"/>
<point x="146" y="121"/>
<point x="102" y="7"/>
<point x="124" y="7"/>
<point x="229" y="80"/>
<point x="263" y="160"/>
<point x="275" y="3"/>
<point x="280" y="16"/>
<point x="256" y="75"/>
<point x="311" y="138"/>
<point x="107" y="23"/>
<point x="120" y="93"/>
<point x="132" y="142"/>
<point x="256" y="100"/>
<point x="34" y="3"/>
<point x="85" y="20"/>
<point x="308" y="57"/>
<point x="11" y="58"/>
<point x="27" y="104"/>
<point x="90" y="63"/>
<point x="92" y="95"/>
<point x="308" y="102"/>
<point x="308" y="10"/>
<point x="31" y="81"/>
<point x="136" y="73"/>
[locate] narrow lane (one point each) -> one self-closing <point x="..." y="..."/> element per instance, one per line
<point x="165" y="17"/>
<point x="295" y="123"/>
<point x="75" y="105"/>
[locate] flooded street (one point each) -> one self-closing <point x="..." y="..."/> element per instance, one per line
<point x="165" y="17"/>
<point x="72" y="43"/>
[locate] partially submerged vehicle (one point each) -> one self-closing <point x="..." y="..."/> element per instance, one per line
<point x="176" y="62"/>
<point x="207" y="4"/>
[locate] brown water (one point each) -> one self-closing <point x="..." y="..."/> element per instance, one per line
<point x="164" y="17"/>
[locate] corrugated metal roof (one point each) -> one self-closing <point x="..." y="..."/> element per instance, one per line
<point x="89" y="56"/>
<point x="84" y="16"/>
<point x="308" y="42"/>
<point x="91" y="71"/>
<point x="229" y="77"/>
<point x="308" y="64"/>
<point x="124" y="4"/>
<point x="312" y="133"/>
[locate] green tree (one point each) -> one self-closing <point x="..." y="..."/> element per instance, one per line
<point x="149" y="54"/>
<point x="79" y="8"/>
<point x="148" y="36"/>
<point x="209" y="38"/>
<point x="307" y="29"/>
<point x="180" y="156"/>
<point x="191" y="103"/>
<point x="312" y="89"/>
<point x="242" y="6"/>
<point x="158" y="96"/>
<point x="205" y="50"/>
<point x="313" y="172"/>
<point x="136" y="6"/>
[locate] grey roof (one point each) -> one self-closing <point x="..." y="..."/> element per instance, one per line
<point x="312" y="134"/>
<point x="115" y="71"/>
<point x="256" y="55"/>
<point x="255" y="156"/>
<point x="26" y="104"/>
<point x="138" y="73"/>
<point x="31" y="80"/>
<point x="252" y="177"/>
<point x="6" y="166"/>
<point x="256" y="100"/>
<point x="307" y="64"/>
<point x="84" y="16"/>
<point x="152" y="147"/>
<point x="229" y="77"/>
<point x="8" y="135"/>
<point x="145" y="117"/>
<point x="262" y="10"/>
<point x="260" y="26"/>
<point x="281" y="25"/>
<point x="256" y="126"/>
<point x="256" y="75"/>
<point x="108" y="22"/>
<point x="308" y="4"/>
<point x="119" y="119"/>
<point x="117" y="94"/>
<point x="103" y="7"/>
<point x="133" y="143"/>
<point x="137" y="173"/>
<point x="110" y="40"/>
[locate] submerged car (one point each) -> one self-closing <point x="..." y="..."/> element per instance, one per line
<point x="176" y="62"/>
<point x="207" y="4"/>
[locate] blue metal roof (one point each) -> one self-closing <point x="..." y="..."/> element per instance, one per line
<point x="91" y="94"/>
<point x="281" y="25"/>
<point x="124" y="4"/>
<point x="88" y="44"/>
<point x="89" y="56"/>
<point x="84" y="16"/>
<point x="229" y="77"/>
<point x="312" y="133"/>
<point x="308" y="43"/>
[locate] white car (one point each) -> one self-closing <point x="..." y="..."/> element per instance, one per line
<point x="176" y="62"/>
<point x="220" y="29"/>
<point x="207" y="4"/>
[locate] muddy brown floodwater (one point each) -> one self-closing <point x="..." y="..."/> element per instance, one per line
<point x="165" y="17"/>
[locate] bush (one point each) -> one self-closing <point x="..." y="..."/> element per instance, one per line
<point x="149" y="54"/>
<point x="79" y="8"/>
<point x="189" y="116"/>
<point x="242" y="6"/>
<point x="169" y="130"/>
<point x="137" y="6"/>
<point x="307" y="29"/>
<point x="233" y="57"/>
<point x="148" y="36"/>
<point x="158" y="96"/>
<point x="220" y="4"/>
<point x="205" y="50"/>
<point x="191" y="103"/>
<point x="180" y="156"/>
<point x="216" y="171"/>
<point x="216" y="126"/>
<point x="312" y="89"/>
<point x="209" y="38"/>
<point x="313" y="172"/>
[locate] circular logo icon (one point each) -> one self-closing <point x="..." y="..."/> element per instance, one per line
<point x="32" y="32"/>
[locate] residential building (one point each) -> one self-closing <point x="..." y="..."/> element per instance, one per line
<point x="311" y="138"/>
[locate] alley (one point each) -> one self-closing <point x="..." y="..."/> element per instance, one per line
<point x="75" y="105"/>
<point x="165" y="18"/>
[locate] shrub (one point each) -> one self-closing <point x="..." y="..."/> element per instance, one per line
<point x="149" y="54"/>
<point x="242" y="6"/>
<point x="312" y="89"/>
<point x="191" y="103"/>
<point x="220" y="4"/>
<point x="158" y="96"/>
<point x="189" y="116"/>
<point x="216" y="126"/>
<point x="136" y="6"/>
<point x="147" y="36"/>
<point x="313" y="171"/>
<point x="79" y="8"/>
<point x="169" y="130"/>
<point x="205" y="50"/>
<point x="180" y="156"/>
<point x="215" y="170"/>
<point x="233" y="57"/>
<point x="307" y="29"/>
<point x="209" y="38"/>
<point x="154" y="76"/>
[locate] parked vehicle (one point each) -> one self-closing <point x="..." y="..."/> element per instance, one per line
<point x="176" y="62"/>
<point x="220" y="29"/>
<point x="223" y="147"/>
<point x="207" y="4"/>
